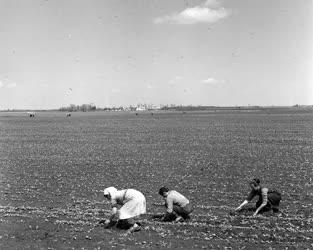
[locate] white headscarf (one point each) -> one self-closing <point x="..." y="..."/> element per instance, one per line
<point x="110" y="191"/>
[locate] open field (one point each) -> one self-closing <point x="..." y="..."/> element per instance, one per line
<point x="53" y="169"/>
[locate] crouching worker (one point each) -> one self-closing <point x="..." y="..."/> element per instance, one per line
<point x="268" y="200"/>
<point x="177" y="206"/>
<point x="133" y="204"/>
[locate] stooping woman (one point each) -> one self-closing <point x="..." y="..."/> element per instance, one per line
<point x="268" y="199"/>
<point x="132" y="204"/>
<point x="178" y="207"/>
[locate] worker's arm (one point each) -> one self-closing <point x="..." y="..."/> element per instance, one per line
<point x="241" y="205"/>
<point x="264" y="201"/>
<point x="169" y="209"/>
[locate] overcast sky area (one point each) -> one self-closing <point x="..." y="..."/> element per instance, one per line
<point x="123" y="52"/>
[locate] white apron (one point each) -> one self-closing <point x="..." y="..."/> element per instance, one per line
<point x="134" y="203"/>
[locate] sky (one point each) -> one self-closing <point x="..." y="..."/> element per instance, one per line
<point x="54" y="53"/>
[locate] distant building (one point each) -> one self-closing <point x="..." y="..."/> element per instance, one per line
<point x="31" y="114"/>
<point x="141" y="108"/>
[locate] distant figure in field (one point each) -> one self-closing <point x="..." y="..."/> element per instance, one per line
<point x="268" y="200"/>
<point x="177" y="206"/>
<point x="68" y="115"/>
<point x="133" y="204"/>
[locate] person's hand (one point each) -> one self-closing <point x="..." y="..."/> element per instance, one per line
<point x="232" y="213"/>
<point x="102" y="222"/>
<point x="114" y="210"/>
<point x="107" y="223"/>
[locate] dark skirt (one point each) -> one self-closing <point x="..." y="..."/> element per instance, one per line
<point x="125" y="223"/>
<point x="274" y="198"/>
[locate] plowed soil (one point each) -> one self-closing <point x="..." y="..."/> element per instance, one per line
<point x="53" y="169"/>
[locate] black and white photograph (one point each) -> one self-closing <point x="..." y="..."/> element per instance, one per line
<point x="156" y="124"/>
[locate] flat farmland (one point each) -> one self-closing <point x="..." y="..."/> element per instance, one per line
<point x="53" y="169"/>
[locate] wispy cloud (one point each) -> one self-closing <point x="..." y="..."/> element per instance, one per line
<point x="175" y="80"/>
<point x="115" y="90"/>
<point x="44" y="85"/>
<point x="150" y="86"/>
<point x="11" y="85"/>
<point x="212" y="81"/>
<point x="7" y="85"/>
<point x="208" y="12"/>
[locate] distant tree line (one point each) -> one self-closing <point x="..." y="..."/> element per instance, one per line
<point x="204" y="108"/>
<point x="171" y="107"/>
<point x="92" y="107"/>
<point x="83" y="108"/>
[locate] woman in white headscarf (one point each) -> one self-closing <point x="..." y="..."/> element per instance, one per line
<point x="133" y="204"/>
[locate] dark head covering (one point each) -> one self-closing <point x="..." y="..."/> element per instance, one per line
<point x="256" y="181"/>
<point x="163" y="190"/>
